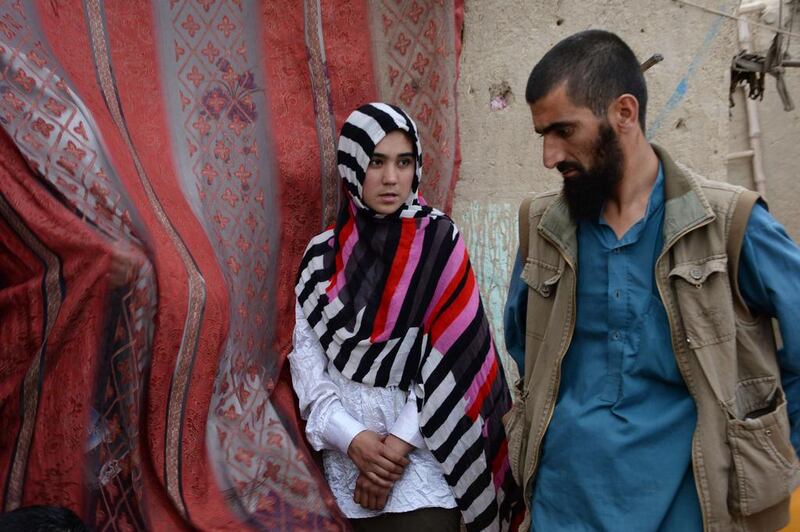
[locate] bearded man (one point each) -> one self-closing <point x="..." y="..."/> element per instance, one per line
<point x="652" y="396"/>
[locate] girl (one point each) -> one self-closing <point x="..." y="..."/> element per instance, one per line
<point x="393" y="362"/>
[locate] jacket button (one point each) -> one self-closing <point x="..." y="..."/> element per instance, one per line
<point x="545" y="290"/>
<point x="696" y="274"/>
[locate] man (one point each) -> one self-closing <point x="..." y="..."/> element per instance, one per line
<point x="651" y="396"/>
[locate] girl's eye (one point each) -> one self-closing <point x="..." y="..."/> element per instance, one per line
<point x="375" y="163"/>
<point x="403" y="163"/>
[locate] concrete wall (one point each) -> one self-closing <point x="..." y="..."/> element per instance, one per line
<point x="503" y="39"/>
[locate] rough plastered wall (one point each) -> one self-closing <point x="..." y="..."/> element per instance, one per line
<point x="503" y="39"/>
<point x="780" y="137"/>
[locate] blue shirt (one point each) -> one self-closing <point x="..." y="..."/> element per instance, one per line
<point x="617" y="453"/>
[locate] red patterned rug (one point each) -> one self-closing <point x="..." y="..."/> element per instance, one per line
<point x="162" y="167"/>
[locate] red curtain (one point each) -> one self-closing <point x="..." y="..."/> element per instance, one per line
<point x="162" y="167"/>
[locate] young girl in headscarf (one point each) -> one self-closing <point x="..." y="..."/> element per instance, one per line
<point x="393" y="361"/>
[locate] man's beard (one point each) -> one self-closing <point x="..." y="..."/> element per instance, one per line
<point x="587" y="191"/>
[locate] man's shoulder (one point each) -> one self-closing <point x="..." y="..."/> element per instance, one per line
<point x="719" y="194"/>
<point x="706" y="183"/>
<point x="540" y="201"/>
<point x="711" y="186"/>
<point x="551" y="194"/>
<point x="712" y="189"/>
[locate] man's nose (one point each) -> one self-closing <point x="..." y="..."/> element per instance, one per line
<point x="552" y="154"/>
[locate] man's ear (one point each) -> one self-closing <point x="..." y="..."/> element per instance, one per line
<point x="624" y="113"/>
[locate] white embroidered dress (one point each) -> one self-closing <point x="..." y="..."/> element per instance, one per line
<point x="337" y="409"/>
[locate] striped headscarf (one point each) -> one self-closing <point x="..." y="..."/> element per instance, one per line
<point x="394" y="302"/>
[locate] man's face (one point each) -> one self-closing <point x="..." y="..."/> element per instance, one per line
<point x="583" y="147"/>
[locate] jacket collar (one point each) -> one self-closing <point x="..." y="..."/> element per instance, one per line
<point x="685" y="207"/>
<point x="685" y="203"/>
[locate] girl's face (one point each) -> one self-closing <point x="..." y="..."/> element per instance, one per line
<point x="390" y="174"/>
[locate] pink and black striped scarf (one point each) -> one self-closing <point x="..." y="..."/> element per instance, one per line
<point x="394" y="302"/>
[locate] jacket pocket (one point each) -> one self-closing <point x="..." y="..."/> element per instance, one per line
<point x="516" y="432"/>
<point x="542" y="280"/>
<point x="765" y="468"/>
<point x="704" y="294"/>
<point x="541" y="276"/>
